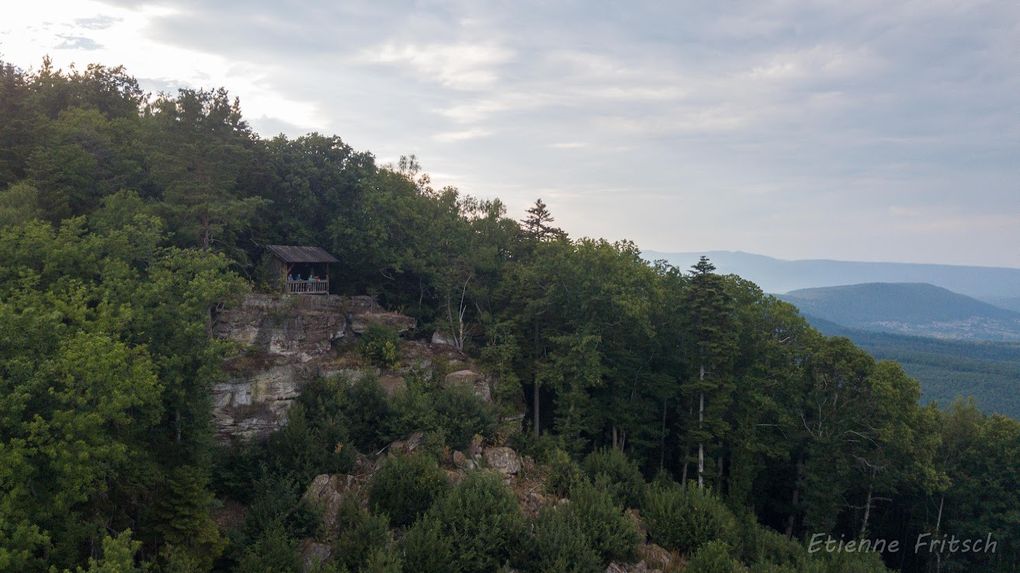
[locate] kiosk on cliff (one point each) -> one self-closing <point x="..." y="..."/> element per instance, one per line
<point x="301" y="270"/>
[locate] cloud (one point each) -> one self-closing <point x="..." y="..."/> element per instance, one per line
<point x="77" y="43"/>
<point x="459" y="66"/>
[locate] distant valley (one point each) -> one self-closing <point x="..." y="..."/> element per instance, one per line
<point x="996" y="285"/>
<point x="916" y="309"/>
<point x="954" y="328"/>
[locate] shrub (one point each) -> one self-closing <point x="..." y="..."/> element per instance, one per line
<point x="686" y="518"/>
<point x="368" y="414"/>
<point x="625" y="481"/>
<point x="380" y="346"/>
<point x="482" y="516"/>
<point x="564" y="473"/>
<point x="273" y="552"/>
<point x="361" y="535"/>
<point x="559" y="545"/>
<point x="427" y="546"/>
<point x="612" y="534"/>
<point x="383" y="560"/>
<point x="761" y="545"/>
<point x="306" y="447"/>
<point x="455" y="413"/>
<point x="714" y="557"/>
<point x="460" y="415"/>
<point x="405" y="487"/>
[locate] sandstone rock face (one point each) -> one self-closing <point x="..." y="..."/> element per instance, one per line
<point x="364" y="313"/>
<point x="327" y="492"/>
<point x="504" y="460"/>
<point x="302" y="327"/>
<point x="470" y="379"/>
<point x="286" y="341"/>
<point x="314" y="554"/>
<point x="639" y="567"/>
<point x="256" y="404"/>
<point x="408" y="445"/>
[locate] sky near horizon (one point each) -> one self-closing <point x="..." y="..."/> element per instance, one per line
<point x="863" y="130"/>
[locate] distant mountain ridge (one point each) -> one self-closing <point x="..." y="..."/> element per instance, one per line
<point x="917" y="309"/>
<point x="996" y="285"/>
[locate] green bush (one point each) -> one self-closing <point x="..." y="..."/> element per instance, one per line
<point x="761" y="545"/>
<point x="461" y="415"/>
<point x="380" y="346"/>
<point x="273" y="552"/>
<point x="383" y="560"/>
<point x="427" y="546"/>
<point x="612" y="534"/>
<point x="405" y="487"/>
<point x="625" y="481"/>
<point x="714" y="557"/>
<point x="483" y="520"/>
<point x="686" y="518"/>
<point x="559" y="545"/>
<point x="564" y="473"/>
<point x="455" y="413"/>
<point x="368" y="414"/>
<point x="361" y="535"/>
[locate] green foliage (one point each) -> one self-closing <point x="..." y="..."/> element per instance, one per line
<point x="454" y="413"/>
<point x="482" y="521"/>
<point x="559" y="544"/>
<point x="118" y="555"/>
<point x="405" y="487"/>
<point x="565" y="474"/>
<point x="428" y="546"/>
<point x="273" y="552"/>
<point x="362" y="534"/>
<point x="380" y="345"/>
<point x="383" y="561"/>
<point x="612" y="535"/>
<point x="622" y="477"/>
<point x="714" y="557"/>
<point x="686" y="518"/>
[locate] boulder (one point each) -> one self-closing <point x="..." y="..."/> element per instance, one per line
<point x="639" y="567"/>
<point x="327" y="492"/>
<point x="657" y="556"/>
<point x="440" y="338"/>
<point x="474" y="450"/>
<point x="391" y="384"/>
<point x="463" y="462"/>
<point x="408" y="445"/>
<point x="314" y="554"/>
<point x="470" y="379"/>
<point x="394" y="320"/>
<point x="503" y="459"/>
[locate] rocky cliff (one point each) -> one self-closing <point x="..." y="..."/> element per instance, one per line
<point x="285" y="341"/>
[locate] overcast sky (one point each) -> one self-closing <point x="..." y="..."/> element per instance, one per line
<point x="853" y="129"/>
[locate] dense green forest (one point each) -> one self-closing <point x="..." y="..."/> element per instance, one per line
<point x="736" y="431"/>
<point x="988" y="371"/>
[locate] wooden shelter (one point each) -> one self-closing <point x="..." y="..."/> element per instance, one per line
<point x="301" y="270"/>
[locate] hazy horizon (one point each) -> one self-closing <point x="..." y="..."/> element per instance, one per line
<point x="863" y="132"/>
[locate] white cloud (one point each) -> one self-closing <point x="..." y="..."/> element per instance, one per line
<point x="465" y="66"/>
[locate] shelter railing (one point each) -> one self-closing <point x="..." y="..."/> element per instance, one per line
<point x="312" y="286"/>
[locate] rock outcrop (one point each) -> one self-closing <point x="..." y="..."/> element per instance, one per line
<point x="285" y="341"/>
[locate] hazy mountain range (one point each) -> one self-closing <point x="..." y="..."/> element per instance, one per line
<point x="995" y="285"/>
<point x="918" y="309"/>
<point x="954" y="328"/>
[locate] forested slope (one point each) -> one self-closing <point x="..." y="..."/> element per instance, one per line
<point x="127" y="221"/>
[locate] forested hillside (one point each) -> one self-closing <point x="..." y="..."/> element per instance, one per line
<point x="908" y="308"/>
<point x="671" y="407"/>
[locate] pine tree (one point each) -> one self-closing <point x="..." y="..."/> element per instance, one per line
<point x="538" y="224"/>
<point x="713" y="335"/>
